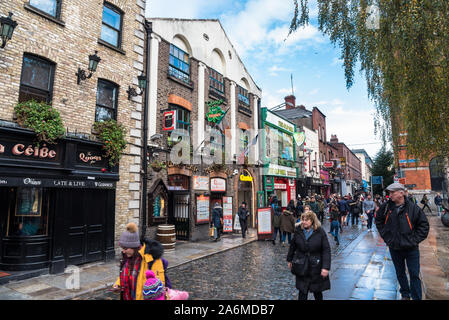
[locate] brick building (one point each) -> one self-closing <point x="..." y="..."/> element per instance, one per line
<point x="196" y="76"/>
<point x="62" y="209"/>
<point x="351" y="167"/>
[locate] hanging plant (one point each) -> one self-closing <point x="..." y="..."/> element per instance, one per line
<point x="112" y="134"/>
<point x="158" y="166"/>
<point x="42" y="119"/>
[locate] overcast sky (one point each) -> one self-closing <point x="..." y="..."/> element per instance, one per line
<point x="258" y="29"/>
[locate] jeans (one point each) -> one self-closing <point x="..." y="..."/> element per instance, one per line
<point x="356" y="217"/>
<point x="439" y="209"/>
<point x="411" y="258"/>
<point x="316" y="295"/>
<point x="335" y="228"/>
<point x="289" y="236"/>
<point x="244" y="226"/>
<point x="275" y="234"/>
<point x="370" y="220"/>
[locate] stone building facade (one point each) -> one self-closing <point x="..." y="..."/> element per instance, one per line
<point x="194" y="68"/>
<point x="61" y="35"/>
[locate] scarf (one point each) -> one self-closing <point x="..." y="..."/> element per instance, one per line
<point x="128" y="276"/>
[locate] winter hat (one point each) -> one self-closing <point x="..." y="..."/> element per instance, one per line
<point x="130" y="238"/>
<point x="153" y="289"/>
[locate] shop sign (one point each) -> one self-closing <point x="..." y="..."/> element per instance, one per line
<point x="169" y="120"/>
<point x="202" y="209"/>
<point x="276" y="170"/>
<point x="217" y="185"/>
<point x="28" y="150"/>
<point x="278" y="121"/>
<point x="328" y="164"/>
<point x="269" y="183"/>
<point x="56" y="183"/>
<point x="324" y="175"/>
<point x="280" y="186"/>
<point x="300" y="137"/>
<point x="201" y="183"/>
<point x="246" y="178"/>
<point x="215" y="112"/>
<point x="227" y="214"/>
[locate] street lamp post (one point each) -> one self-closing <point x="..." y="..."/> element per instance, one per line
<point x="7" y="26"/>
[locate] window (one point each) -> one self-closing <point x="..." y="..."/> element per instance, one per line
<point x="217" y="144"/>
<point x="107" y="93"/>
<point x="37" y="79"/>
<point x="111" y="29"/>
<point x="28" y="213"/>
<point x="179" y="66"/>
<point x="182" y="118"/>
<point x="51" y="7"/>
<point x="216" y="81"/>
<point x="243" y="95"/>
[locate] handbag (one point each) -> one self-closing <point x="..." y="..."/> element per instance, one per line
<point x="300" y="265"/>
<point x="211" y="231"/>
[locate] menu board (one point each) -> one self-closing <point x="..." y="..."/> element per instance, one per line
<point x="201" y="183"/>
<point x="264" y="226"/>
<point x="202" y="209"/>
<point x="227" y="214"/>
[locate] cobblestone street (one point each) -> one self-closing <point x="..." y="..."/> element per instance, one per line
<point x="258" y="271"/>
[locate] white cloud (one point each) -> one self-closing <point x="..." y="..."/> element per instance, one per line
<point x="286" y="91"/>
<point x="336" y="61"/>
<point x="274" y="70"/>
<point x="192" y="9"/>
<point x="314" y="92"/>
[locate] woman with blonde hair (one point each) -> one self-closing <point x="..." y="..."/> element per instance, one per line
<point x="309" y="257"/>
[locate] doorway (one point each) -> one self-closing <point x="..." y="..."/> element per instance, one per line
<point x="85" y="212"/>
<point x="179" y="214"/>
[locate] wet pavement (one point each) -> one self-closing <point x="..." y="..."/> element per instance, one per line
<point x="361" y="270"/>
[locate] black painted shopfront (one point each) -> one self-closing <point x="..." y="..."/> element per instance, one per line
<point x="57" y="203"/>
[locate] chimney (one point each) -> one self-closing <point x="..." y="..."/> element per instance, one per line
<point x="290" y="102"/>
<point x="302" y="107"/>
<point x="334" y="138"/>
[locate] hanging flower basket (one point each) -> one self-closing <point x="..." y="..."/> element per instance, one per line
<point x="112" y="134"/>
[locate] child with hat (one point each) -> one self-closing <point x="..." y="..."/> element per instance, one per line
<point x="153" y="288"/>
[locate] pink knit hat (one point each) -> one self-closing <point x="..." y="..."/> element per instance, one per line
<point x="153" y="288"/>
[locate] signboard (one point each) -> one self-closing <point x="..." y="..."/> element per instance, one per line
<point x="280" y="122"/>
<point x="215" y="112"/>
<point x="202" y="209"/>
<point x="300" y="137"/>
<point x="343" y="161"/>
<point x="227" y="214"/>
<point x="169" y="120"/>
<point x="217" y="185"/>
<point x="264" y="226"/>
<point x="246" y="178"/>
<point x="56" y="183"/>
<point x="237" y="226"/>
<point x="280" y="186"/>
<point x="376" y="179"/>
<point x="29" y="151"/>
<point x="276" y="170"/>
<point x="328" y="164"/>
<point x="201" y="183"/>
<point x="396" y="178"/>
<point x="410" y="186"/>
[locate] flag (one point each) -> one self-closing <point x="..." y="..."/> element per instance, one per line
<point x="245" y="152"/>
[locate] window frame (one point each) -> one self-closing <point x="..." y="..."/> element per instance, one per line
<point x="184" y="111"/>
<point x="120" y="32"/>
<point x="115" y="110"/>
<point x="172" y="66"/>
<point x="242" y="95"/>
<point x="57" y="13"/>
<point x="50" y="81"/>
<point x="212" y="80"/>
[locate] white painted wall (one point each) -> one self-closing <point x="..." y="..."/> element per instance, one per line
<point x="312" y="143"/>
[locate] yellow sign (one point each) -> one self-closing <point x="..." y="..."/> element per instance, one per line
<point x="246" y="178"/>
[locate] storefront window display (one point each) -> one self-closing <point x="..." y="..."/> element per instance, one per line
<point x="28" y="216"/>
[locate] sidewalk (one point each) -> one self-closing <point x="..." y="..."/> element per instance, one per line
<point x="102" y="275"/>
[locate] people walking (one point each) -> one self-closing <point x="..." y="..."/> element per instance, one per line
<point x="403" y="225"/>
<point x="344" y="209"/>
<point x="368" y="209"/>
<point x="287" y="226"/>
<point x="438" y="201"/>
<point x="309" y="257"/>
<point x="137" y="258"/>
<point x="425" y="203"/>
<point x="314" y="206"/>
<point x="335" y="223"/>
<point x="356" y="209"/>
<point x="299" y="207"/>
<point x="321" y="207"/>
<point x="243" y="214"/>
<point x="276" y="221"/>
<point x="217" y="221"/>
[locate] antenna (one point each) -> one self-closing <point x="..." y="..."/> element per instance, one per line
<point x="291" y="78"/>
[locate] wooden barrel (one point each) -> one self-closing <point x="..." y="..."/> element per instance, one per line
<point x="166" y="235"/>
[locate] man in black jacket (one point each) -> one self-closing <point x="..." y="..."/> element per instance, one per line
<point x="403" y="225"/>
<point x="243" y="218"/>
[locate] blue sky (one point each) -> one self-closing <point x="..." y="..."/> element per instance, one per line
<point x="257" y="29"/>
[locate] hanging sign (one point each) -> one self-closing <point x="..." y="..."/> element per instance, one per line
<point x="300" y="137"/>
<point x="227" y="214"/>
<point x="169" y="120"/>
<point x="215" y="112"/>
<point x="246" y="178"/>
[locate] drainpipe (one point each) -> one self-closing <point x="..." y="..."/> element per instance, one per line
<point x="143" y="210"/>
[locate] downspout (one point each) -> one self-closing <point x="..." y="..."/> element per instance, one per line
<point x="144" y="171"/>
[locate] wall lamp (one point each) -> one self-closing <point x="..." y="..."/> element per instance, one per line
<point x="7" y="26"/>
<point x="142" y="79"/>
<point x="93" y="63"/>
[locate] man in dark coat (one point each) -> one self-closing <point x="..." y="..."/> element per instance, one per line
<point x="243" y="218"/>
<point x="217" y="218"/>
<point x="403" y="225"/>
<point x="310" y="242"/>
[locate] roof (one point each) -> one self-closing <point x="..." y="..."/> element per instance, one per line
<point x="294" y="113"/>
<point x="363" y="151"/>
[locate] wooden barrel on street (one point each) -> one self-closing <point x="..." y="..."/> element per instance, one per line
<point x="166" y="235"/>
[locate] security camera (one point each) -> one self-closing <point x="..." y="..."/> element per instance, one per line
<point x="155" y="154"/>
<point x="236" y="172"/>
<point x="156" y="136"/>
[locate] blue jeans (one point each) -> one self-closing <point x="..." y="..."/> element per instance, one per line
<point x="335" y="229"/>
<point x="275" y="234"/>
<point x="289" y="236"/>
<point x="411" y="257"/>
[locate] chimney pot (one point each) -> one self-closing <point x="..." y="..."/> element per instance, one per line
<point x="290" y="102"/>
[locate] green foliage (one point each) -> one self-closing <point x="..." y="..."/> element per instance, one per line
<point x="382" y="166"/>
<point x="405" y="61"/>
<point x="42" y="119"/>
<point x="112" y="134"/>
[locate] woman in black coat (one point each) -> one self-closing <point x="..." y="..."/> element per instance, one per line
<point x="310" y="242"/>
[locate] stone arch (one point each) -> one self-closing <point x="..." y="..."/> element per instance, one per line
<point x="182" y="43"/>
<point x="244" y="83"/>
<point x="218" y="61"/>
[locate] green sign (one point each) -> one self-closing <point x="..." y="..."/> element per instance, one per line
<point x="215" y="112"/>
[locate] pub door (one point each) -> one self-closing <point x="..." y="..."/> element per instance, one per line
<point x="85" y="212"/>
<point x="179" y="214"/>
<point x="4" y="202"/>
